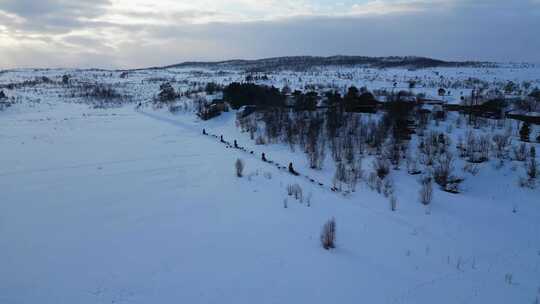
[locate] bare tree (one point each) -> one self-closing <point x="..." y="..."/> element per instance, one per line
<point x="355" y="174"/>
<point x="340" y="176"/>
<point x="315" y="143"/>
<point x="532" y="167"/>
<point x="426" y="191"/>
<point x="328" y="234"/>
<point x="520" y="152"/>
<point x="501" y="141"/>
<point x="239" y="166"/>
<point x="295" y="191"/>
<point x="442" y="170"/>
<point x="393" y="203"/>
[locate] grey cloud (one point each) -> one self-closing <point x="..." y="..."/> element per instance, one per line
<point x="38" y="8"/>
<point x="179" y="16"/>
<point x="463" y="33"/>
<point x="52" y="15"/>
<point x="463" y="30"/>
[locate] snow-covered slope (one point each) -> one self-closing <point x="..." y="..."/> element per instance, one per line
<point x="125" y="206"/>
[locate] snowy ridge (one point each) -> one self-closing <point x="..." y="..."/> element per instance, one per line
<point x="305" y="62"/>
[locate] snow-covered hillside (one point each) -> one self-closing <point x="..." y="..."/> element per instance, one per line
<point x="126" y="204"/>
<point x="141" y="85"/>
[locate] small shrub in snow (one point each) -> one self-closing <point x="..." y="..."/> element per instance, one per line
<point x="328" y="234"/>
<point x="442" y="173"/>
<point x="355" y="174"/>
<point x="260" y="140"/>
<point x="393" y="203"/>
<point x="532" y="166"/>
<point x="426" y="191"/>
<point x="387" y="187"/>
<point x="412" y="166"/>
<point x="501" y="143"/>
<point x="520" y="152"/>
<point x="442" y="169"/>
<point x="378" y="185"/>
<point x="471" y="168"/>
<point x="239" y="166"/>
<point x="295" y="191"/>
<point x="476" y="148"/>
<point x="381" y="166"/>
<point x="340" y="176"/>
<point x="372" y="180"/>
<point x="393" y="153"/>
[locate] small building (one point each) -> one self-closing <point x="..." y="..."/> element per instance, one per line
<point x="209" y="111"/>
<point x="213" y="109"/>
<point x="408" y="98"/>
<point x="220" y="105"/>
<point x="430" y="101"/>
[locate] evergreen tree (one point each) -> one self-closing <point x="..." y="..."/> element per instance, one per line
<point x="525" y="132"/>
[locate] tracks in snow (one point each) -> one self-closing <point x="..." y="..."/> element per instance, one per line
<point x="244" y="150"/>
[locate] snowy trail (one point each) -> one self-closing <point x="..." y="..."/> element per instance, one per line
<point x="243" y="151"/>
<point x="170" y="121"/>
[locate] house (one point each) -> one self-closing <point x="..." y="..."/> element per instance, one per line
<point x="213" y="109"/>
<point x="220" y="105"/>
<point x="209" y="111"/>
<point x="431" y="101"/>
<point x="408" y="98"/>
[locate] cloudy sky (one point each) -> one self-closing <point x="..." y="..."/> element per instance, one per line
<point x="140" y="33"/>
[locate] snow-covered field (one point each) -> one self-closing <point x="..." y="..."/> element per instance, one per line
<point x="137" y="206"/>
<point x="141" y="85"/>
